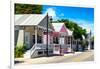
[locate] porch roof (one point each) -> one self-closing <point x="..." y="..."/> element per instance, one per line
<point x="28" y="19"/>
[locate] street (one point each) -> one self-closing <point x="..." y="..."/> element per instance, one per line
<point x="85" y="56"/>
<point x="73" y="57"/>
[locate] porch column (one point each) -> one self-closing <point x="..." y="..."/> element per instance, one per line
<point x="20" y="40"/>
<point x="67" y="40"/>
<point x="20" y="37"/>
<point x="35" y="35"/>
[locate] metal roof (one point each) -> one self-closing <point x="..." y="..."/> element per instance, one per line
<point x="57" y="27"/>
<point x="28" y="19"/>
<point x="69" y="32"/>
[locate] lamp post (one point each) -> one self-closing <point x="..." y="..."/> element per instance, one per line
<point x="47" y="37"/>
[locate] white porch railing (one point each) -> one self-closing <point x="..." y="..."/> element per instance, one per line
<point x="40" y="46"/>
<point x="44" y="46"/>
<point x="65" y="45"/>
<point x="32" y="49"/>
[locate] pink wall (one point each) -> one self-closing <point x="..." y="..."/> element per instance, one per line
<point x="50" y="38"/>
<point x="63" y="29"/>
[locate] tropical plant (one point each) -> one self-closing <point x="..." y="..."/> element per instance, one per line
<point x="19" y="51"/>
<point x="84" y="44"/>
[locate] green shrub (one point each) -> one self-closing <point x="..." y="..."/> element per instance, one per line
<point x="84" y="44"/>
<point x="19" y="51"/>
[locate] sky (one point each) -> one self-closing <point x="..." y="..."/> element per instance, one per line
<point x="81" y="15"/>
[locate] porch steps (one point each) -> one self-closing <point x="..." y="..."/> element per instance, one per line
<point x="27" y="54"/>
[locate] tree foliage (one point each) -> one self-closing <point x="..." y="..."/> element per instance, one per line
<point x="77" y="30"/>
<point x="28" y="9"/>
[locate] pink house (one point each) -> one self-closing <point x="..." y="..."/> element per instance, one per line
<point x="62" y="38"/>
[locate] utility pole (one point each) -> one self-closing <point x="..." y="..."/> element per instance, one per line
<point x="47" y="37"/>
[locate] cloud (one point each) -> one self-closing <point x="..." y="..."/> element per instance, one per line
<point x="52" y="12"/>
<point x="84" y="24"/>
<point x="88" y="27"/>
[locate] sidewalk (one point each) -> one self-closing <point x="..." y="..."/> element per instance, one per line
<point x="43" y="60"/>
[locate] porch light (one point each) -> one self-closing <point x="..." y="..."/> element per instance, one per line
<point x="50" y="19"/>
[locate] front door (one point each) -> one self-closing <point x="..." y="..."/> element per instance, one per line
<point x="27" y="40"/>
<point x="61" y="40"/>
<point x="56" y="49"/>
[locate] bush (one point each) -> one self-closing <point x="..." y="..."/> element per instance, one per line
<point x="84" y="44"/>
<point x="19" y="51"/>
